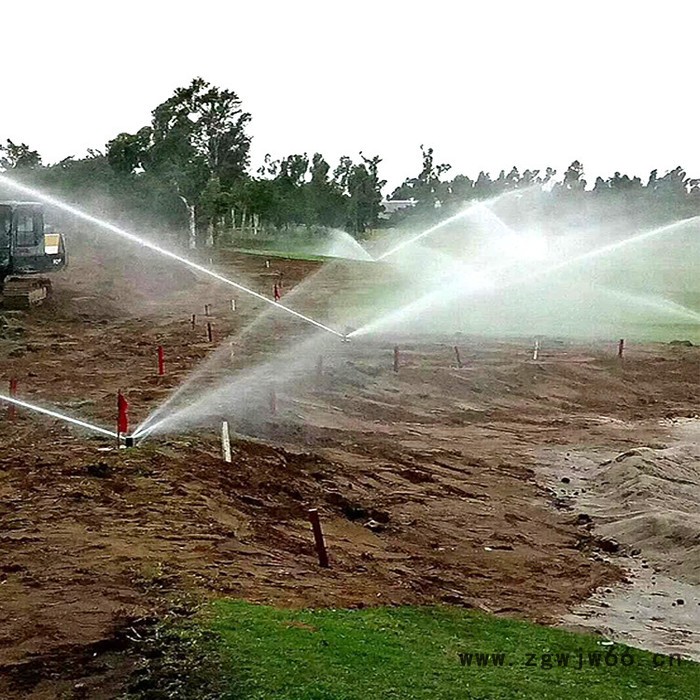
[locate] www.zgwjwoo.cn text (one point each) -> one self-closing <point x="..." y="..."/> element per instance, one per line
<point x="574" y="660"/>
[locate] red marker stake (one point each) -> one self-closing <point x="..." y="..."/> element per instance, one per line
<point x="276" y="292"/>
<point x="122" y="415"/>
<point x="396" y="358"/>
<point x="318" y="538"/>
<point x="210" y="333"/>
<point x="194" y="321"/>
<point x="161" y="361"/>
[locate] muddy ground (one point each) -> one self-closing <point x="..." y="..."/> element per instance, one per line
<point x="435" y="484"/>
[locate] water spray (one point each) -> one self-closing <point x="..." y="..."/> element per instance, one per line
<point x="414" y="308"/>
<point x="427" y="232"/>
<point x="227" y="397"/>
<point x="607" y="249"/>
<point x="476" y="206"/>
<point x="162" y="251"/>
<point x="59" y="416"/>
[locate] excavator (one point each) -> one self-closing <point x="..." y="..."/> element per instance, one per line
<point x="27" y="248"/>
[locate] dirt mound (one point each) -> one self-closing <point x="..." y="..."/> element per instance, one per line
<point x="655" y="496"/>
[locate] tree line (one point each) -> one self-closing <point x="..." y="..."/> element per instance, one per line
<point x="189" y="169"/>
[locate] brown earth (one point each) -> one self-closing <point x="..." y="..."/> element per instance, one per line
<point x="425" y="478"/>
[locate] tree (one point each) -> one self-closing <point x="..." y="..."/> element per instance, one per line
<point x="128" y="153"/>
<point x="364" y="189"/>
<point x="18" y="156"/>
<point x="573" y="178"/>
<point x="324" y="198"/>
<point x="196" y="142"/>
<point x="427" y="188"/>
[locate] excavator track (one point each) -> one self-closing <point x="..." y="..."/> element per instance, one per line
<point x="24" y="292"/>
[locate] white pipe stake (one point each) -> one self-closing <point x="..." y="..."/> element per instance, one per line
<point x="225" y="443"/>
<point x="536" y="351"/>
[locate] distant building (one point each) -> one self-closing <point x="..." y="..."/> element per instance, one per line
<point x="391" y="206"/>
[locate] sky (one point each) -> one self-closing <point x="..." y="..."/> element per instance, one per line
<point x="488" y="85"/>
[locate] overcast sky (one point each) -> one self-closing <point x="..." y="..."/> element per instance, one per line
<point x="489" y="85"/>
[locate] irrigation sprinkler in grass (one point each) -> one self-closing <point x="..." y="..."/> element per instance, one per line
<point x="318" y="538"/>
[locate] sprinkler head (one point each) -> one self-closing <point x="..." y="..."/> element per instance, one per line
<point x="129" y="441"/>
<point x="345" y="339"/>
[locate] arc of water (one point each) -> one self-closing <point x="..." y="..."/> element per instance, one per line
<point x="295" y="361"/>
<point x="445" y="222"/>
<point x="423" y="234"/>
<point x="162" y="251"/>
<point x="56" y="414"/>
<point x="606" y="249"/>
<point x="656" y="303"/>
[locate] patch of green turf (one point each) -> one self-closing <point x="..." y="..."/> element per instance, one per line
<point x="399" y="653"/>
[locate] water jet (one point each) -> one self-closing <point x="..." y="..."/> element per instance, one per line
<point x="107" y="226"/>
<point x="55" y="414"/>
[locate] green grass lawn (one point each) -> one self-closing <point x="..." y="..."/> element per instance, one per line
<point x="431" y="653"/>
